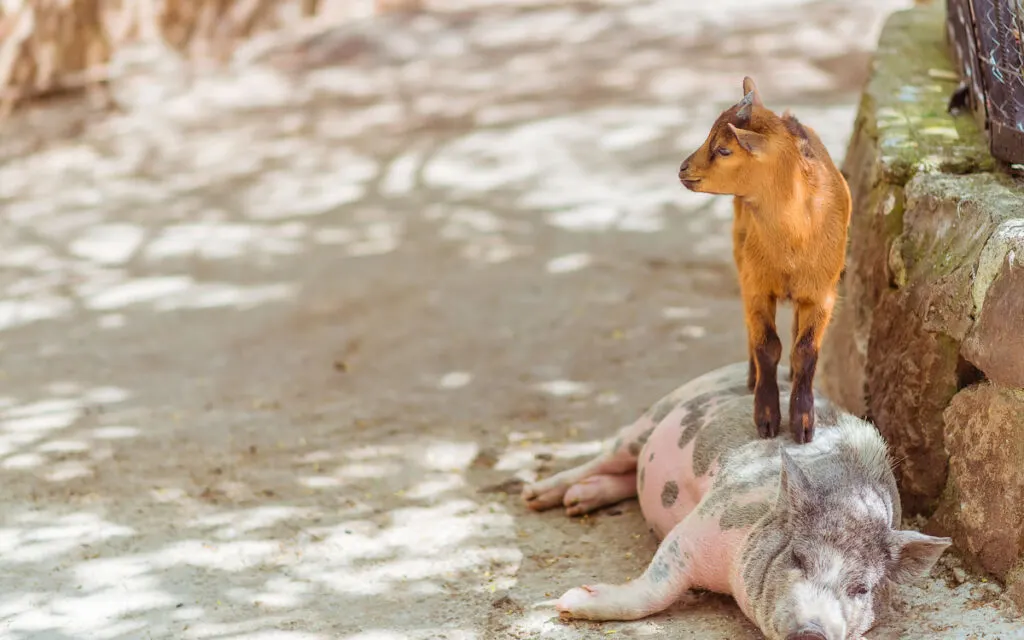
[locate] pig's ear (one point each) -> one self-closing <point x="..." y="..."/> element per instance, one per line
<point x="915" y="554"/>
<point x="794" y="487"/>
<point x="755" y="143"/>
<point x="750" y="90"/>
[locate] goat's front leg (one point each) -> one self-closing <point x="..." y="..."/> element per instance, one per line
<point x="812" y="319"/>
<point x="760" y="317"/>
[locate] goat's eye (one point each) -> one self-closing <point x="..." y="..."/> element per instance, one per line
<point x="723" y="151"/>
<point x="859" y="590"/>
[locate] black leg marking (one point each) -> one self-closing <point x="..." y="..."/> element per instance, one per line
<point x="801" y="401"/>
<point x="766" y="393"/>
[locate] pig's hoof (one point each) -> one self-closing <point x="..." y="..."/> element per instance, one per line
<point x="540" y="496"/>
<point x="578" y="603"/>
<point x="598" y="491"/>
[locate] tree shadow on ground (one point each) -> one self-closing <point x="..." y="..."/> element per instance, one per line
<point x="267" y="336"/>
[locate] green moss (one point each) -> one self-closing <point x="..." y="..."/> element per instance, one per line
<point x="894" y="217"/>
<point x="904" y="105"/>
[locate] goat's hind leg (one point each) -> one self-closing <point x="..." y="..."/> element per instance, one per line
<point x="612" y="471"/>
<point x="760" y="317"/>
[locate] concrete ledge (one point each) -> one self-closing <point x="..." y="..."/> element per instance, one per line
<point x="928" y="341"/>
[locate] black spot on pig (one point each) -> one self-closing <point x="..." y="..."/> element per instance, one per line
<point x="659" y="571"/>
<point x="691" y="424"/>
<point x="697" y="408"/>
<point x="638" y="444"/>
<point x="662" y="409"/>
<point x="723" y="496"/>
<point x="740" y="516"/>
<point x="669" y="494"/>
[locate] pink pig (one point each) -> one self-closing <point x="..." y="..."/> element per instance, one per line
<point x="804" y="537"/>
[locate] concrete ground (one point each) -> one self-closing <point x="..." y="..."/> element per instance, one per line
<point x="279" y="344"/>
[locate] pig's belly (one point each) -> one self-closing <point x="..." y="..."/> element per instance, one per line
<point x="667" y="488"/>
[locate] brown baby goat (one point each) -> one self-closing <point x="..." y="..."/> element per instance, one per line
<point x="792" y="210"/>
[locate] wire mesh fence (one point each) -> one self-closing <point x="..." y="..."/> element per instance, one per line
<point x="986" y="39"/>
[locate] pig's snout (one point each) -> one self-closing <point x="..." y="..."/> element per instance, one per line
<point x="810" y="631"/>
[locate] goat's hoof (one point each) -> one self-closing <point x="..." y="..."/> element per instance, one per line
<point x="801" y="423"/>
<point x="767" y="420"/>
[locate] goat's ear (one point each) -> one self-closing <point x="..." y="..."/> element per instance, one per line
<point x="749" y="88"/>
<point x="754" y="143"/>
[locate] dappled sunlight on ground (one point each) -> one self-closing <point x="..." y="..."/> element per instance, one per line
<point x="190" y="577"/>
<point x="280" y="344"/>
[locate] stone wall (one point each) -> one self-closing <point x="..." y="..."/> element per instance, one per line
<point x="928" y="341"/>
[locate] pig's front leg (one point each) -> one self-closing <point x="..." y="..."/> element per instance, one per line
<point x="668" y="576"/>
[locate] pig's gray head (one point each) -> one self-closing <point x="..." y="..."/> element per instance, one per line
<point x="836" y="552"/>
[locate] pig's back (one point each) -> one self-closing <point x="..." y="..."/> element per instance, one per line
<point x="707" y="442"/>
<point x="698" y="422"/>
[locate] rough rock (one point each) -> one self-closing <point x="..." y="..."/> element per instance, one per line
<point x="1015" y="586"/>
<point x="924" y="313"/>
<point x="927" y="306"/>
<point x="911" y="376"/>
<point x="844" y="358"/>
<point x="983" y="507"/>
<point x="902" y="129"/>
<point x="996" y="342"/>
<point x="947" y="223"/>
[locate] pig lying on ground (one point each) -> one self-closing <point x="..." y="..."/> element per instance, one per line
<point x="804" y="537"/>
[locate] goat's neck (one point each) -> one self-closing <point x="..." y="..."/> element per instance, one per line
<point x="778" y="203"/>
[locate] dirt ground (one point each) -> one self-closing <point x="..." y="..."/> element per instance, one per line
<point x="278" y="344"/>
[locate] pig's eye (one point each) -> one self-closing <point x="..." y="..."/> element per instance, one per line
<point x="723" y="151"/>
<point x="859" y="590"/>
